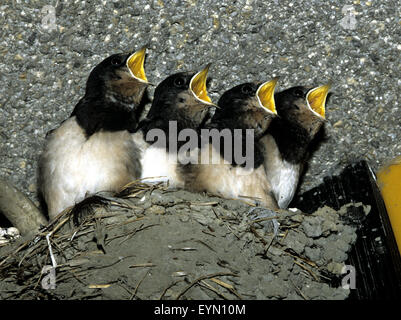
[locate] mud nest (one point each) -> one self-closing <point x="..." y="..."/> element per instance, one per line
<point x="152" y="242"/>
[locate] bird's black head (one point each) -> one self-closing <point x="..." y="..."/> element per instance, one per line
<point x="119" y="78"/>
<point x="247" y="106"/>
<point x="114" y="88"/>
<point x="303" y="107"/>
<point x="182" y="97"/>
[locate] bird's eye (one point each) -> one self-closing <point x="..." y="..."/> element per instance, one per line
<point x="115" y="61"/>
<point x="247" y="89"/>
<point x="298" y="93"/>
<point x="179" y="82"/>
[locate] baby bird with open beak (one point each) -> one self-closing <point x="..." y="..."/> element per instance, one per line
<point x="244" y="114"/>
<point x="181" y="104"/>
<point x="92" y="150"/>
<point x="301" y="113"/>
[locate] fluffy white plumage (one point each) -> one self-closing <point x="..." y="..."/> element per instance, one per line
<point x="73" y="165"/>
<point x="282" y="175"/>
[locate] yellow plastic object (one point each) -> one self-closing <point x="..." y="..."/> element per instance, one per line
<point x="389" y="181"/>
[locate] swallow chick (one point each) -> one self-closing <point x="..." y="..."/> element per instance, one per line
<point x="301" y="114"/>
<point x="243" y="115"/>
<point x="180" y="104"/>
<point x="92" y="150"/>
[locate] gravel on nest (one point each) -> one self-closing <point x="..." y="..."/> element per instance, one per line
<point x="150" y="242"/>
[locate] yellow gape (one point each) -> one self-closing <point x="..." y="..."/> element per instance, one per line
<point x="135" y="65"/>
<point x="265" y="95"/>
<point x="389" y="181"/>
<point x="316" y="99"/>
<point x="198" y="86"/>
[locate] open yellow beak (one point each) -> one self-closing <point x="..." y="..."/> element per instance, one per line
<point x="135" y="65"/>
<point x="198" y="86"/>
<point x="316" y="99"/>
<point x="265" y="94"/>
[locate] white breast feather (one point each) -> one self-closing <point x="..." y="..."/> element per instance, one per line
<point x="285" y="188"/>
<point x="157" y="166"/>
<point x="282" y="175"/>
<point x="73" y="165"/>
<point x="235" y="182"/>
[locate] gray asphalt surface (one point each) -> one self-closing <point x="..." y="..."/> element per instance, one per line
<point x="43" y="70"/>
